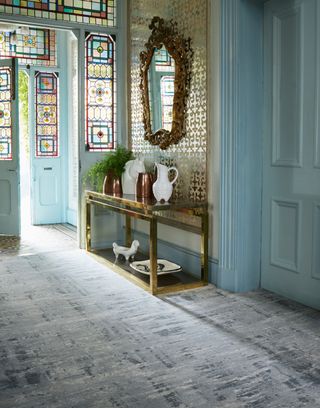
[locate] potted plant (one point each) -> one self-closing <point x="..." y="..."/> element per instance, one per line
<point x="105" y="174"/>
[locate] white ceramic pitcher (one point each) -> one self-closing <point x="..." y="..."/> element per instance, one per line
<point x="162" y="188"/>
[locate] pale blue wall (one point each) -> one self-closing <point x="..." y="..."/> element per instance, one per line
<point x="241" y="144"/>
<point x="250" y="143"/>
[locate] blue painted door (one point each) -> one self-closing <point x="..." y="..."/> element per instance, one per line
<point x="47" y="148"/>
<point x="291" y="170"/>
<point x="9" y="150"/>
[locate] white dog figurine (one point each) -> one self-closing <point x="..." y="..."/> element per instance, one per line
<point x="125" y="251"/>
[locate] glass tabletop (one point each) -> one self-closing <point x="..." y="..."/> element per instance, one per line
<point x="149" y="204"/>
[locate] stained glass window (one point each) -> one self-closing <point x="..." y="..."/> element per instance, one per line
<point x="47" y="105"/>
<point x="100" y="12"/>
<point x="100" y="92"/>
<point x="167" y="94"/>
<point x="36" y="46"/>
<point x="163" y="60"/>
<point x="5" y="114"/>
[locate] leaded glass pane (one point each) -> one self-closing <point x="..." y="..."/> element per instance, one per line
<point x="100" y="93"/>
<point x="100" y="12"/>
<point x="167" y="94"/>
<point x="5" y="114"/>
<point x="163" y="60"/>
<point x="38" y="46"/>
<point x="47" y="140"/>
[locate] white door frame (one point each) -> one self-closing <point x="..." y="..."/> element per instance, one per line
<point x="9" y="169"/>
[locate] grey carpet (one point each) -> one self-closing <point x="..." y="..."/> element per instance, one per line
<point x="74" y="334"/>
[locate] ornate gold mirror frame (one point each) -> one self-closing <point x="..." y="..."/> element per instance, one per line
<point x="165" y="34"/>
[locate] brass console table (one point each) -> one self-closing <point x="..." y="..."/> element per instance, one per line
<point x="152" y="212"/>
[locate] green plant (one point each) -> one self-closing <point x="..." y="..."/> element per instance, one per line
<point x="118" y="159"/>
<point x="112" y="162"/>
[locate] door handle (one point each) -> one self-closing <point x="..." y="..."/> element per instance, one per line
<point x="12" y="170"/>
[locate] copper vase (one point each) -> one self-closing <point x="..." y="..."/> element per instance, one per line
<point x="144" y="185"/>
<point x="112" y="184"/>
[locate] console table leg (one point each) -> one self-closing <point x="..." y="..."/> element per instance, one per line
<point x="153" y="257"/>
<point x="128" y="231"/>
<point x="204" y="246"/>
<point x="88" y="226"/>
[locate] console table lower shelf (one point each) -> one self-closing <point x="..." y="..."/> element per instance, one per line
<point x="153" y="213"/>
<point x="169" y="282"/>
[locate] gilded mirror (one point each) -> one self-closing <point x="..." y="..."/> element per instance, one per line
<point x="165" y="73"/>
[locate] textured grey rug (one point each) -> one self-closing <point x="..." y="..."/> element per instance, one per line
<point x="74" y="334"/>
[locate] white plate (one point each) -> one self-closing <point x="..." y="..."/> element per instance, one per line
<point x="164" y="267"/>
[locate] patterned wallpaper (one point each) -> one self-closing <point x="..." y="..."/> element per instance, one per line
<point x="190" y="155"/>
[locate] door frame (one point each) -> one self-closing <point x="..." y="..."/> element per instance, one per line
<point x="11" y="167"/>
<point x="122" y="98"/>
<point x="63" y="157"/>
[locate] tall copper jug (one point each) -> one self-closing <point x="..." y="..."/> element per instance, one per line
<point x="144" y="185"/>
<point x="112" y="185"/>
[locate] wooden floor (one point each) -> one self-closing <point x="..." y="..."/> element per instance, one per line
<point x="74" y="334"/>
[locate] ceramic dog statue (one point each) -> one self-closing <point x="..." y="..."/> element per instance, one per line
<point x="126" y="251"/>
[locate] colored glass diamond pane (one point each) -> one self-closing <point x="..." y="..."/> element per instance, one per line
<point x="37" y="47"/>
<point x="100" y="93"/>
<point x="5" y="115"/>
<point x="47" y="97"/>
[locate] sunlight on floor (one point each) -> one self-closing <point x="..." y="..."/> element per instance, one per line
<point x="37" y="239"/>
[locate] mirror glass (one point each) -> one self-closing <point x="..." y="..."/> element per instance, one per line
<point x="161" y="89"/>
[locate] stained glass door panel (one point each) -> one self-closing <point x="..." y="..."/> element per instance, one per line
<point x="47" y="114"/>
<point x="9" y="150"/>
<point x="5" y="113"/>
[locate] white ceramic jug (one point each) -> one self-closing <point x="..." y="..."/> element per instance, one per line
<point x="162" y="188"/>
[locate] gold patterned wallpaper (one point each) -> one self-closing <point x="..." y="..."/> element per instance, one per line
<point x="190" y="155"/>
